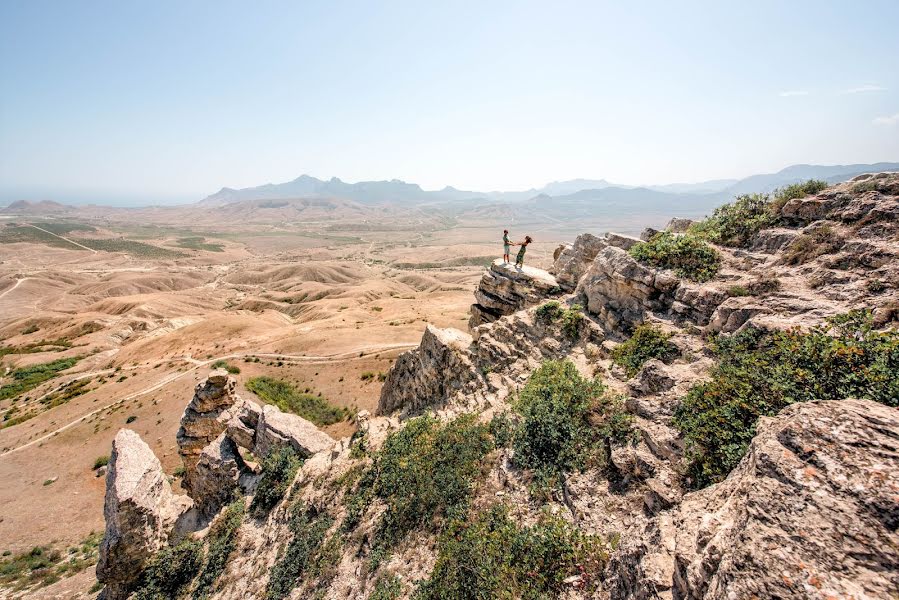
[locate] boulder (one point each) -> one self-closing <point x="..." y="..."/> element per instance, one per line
<point x="440" y="367"/>
<point x="810" y="512"/>
<point x="571" y="262"/>
<point x="625" y="242"/>
<point x="140" y="511"/>
<point x="647" y="234"/>
<point x="505" y="289"/>
<point x="278" y="429"/>
<point x="677" y="225"/>
<point x="653" y="378"/>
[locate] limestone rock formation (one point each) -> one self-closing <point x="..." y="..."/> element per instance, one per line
<point x="810" y="512"/>
<point x="203" y="420"/>
<point x="216" y="475"/>
<point x="505" y="289"/>
<point x="140" y="511"/>
<point x="620" y="291"/>
<point x="278" y="428"/>
<point x="430" y="374"/>
<point x="570" y="262"/>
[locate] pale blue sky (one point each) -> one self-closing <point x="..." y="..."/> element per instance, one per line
<point x="138" y="101"/>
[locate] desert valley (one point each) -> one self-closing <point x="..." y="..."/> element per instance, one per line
<point x="109" y="318"/>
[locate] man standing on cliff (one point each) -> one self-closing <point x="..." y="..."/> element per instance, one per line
<point x="506" y="245"/>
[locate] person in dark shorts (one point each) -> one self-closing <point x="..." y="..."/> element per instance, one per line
<point x="519" y="260"/>
<point x="506" y="245"/>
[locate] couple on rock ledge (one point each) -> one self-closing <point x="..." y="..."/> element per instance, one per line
<point x="507" y="244"/>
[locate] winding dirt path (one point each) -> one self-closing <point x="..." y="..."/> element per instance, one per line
<point x="349" y="355"/>
<point x="14" y="286"/>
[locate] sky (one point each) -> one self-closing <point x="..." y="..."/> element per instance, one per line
<point x="168" y="101"/>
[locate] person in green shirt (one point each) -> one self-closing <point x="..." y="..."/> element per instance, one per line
<point x="519" y="260"/>
<point x="506" y="245"/>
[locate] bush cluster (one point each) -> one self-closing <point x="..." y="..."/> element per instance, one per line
<point x="223" y="364"/>
<point x="760" y="373"/>
<point x="278" y="470"/>
<point x="794" y="191"/>
<point x="571" y="318"/>
<point x="28" y="378"/>
<point x="568" y="422"/>
<point x="735" y="223"/>
<point x="423" y="473"/>
<point x="289" y="399"/>
<point x="648" y="341"/>
<point x="170" y="571"/>
<point x="687" y="255"/>
<point x="490" y="556"/>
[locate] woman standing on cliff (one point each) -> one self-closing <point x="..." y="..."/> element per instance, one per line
<point x="519" y="260"/>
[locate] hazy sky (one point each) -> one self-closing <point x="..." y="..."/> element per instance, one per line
<point x="137" y="101"/>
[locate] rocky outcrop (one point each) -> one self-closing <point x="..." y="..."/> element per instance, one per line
<point x="431" y="374"/>
<point x="505" y="289"/>
<point x="571" y="261"/>
<point x="620" y="291"/>
<point x="216" y="475"/>
<point x="203" y="420"/>
<point x="140" y="511"/>
<point x="810" y="512"/>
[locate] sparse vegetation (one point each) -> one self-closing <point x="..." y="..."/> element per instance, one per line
<point x="759" y="373"/>
<point x="278" y="470"/>
<point x="285" y="396"/>
<point x="199" y="243"/>
<point x="568" y="423"/>
<point x="28" y="378"/>
<point x="101" y="461"/>
<point x="648" y="341"/>
<point x="490" y="556"/>
<point x="131" y="419"/>
<point x="308" y="527"/>
<point x="387" y="588"/>
<point x="687" y="255"/>
<point x="794" y="191"/>
<point x="812" y="244"/>
<point x="222" y="539"/>
<point x="44" y="565"/>
<point x="170" y="571"/>
<point x="130" y="247"/>
<point x="423" y="473"/>
<point x="735" y="223"/>
<point x="56" y="345"/>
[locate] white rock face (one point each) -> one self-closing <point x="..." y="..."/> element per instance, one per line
<point x="505" y="289"/>
<point x="430" y="374"/>
<point x="572" y="261"/>
<point x="217" y="473"/>
<point x="140" y="510"/>
<point x="810" y="512"/>
<point x="278" y="428"/>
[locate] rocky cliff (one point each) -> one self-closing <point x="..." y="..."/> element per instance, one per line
<point x="596" y="497"/>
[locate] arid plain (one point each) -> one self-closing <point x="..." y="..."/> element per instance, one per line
<point x="323" y="295"/>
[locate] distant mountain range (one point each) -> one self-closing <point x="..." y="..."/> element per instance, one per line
<point x="400" y="192"/>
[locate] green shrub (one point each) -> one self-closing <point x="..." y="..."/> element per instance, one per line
<point x="170" y="571"/>
<point x="502" y="429"/>
<point x="28" y="378"/>
<point x="809" y="246"/>
<point x="289" y="399"/>
<point x="423" y="473"/>
<point x="794" y="191"/>
<point x="44" y="565"/>
<point x="734" y="224"/>
<point x="489" y="556"/>
<point x="571" y="318"/>
<point x="648" y="341"/>
<point x="131" y="419"/>
<point x="736" y="291"/>
<point x="567" y="422"/>
<point x="278" y="470"/>
<point x="760" y="373"/>
<point x="101" y="461"/>
<point x="367" y="375"/>
<point x="222" y="539"/>
<point x="308" y="527"/>
<point x="687" y="255"/>
<point x="222" y="364"/>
